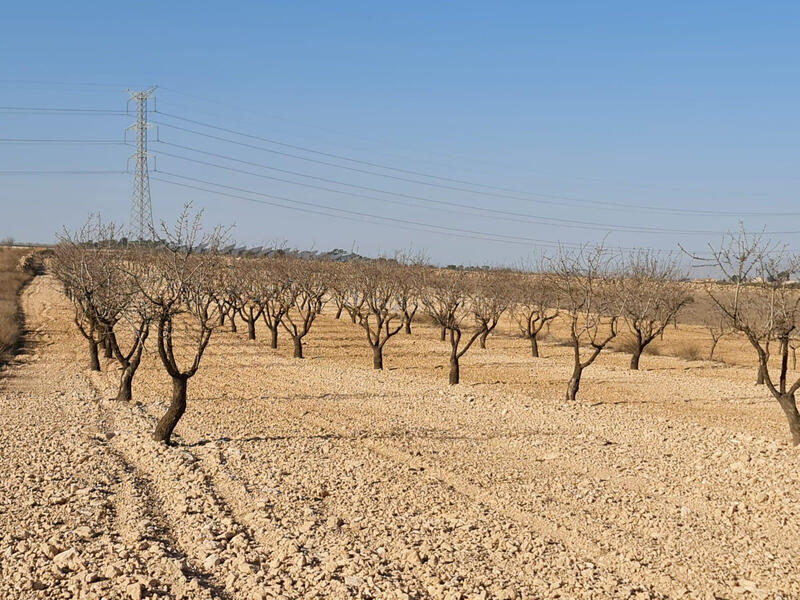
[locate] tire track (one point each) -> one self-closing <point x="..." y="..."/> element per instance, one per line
<point x="660" y="586"/>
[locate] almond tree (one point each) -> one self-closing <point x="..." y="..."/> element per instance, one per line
<point x="717" y="329"/>
<point x="535" y="305"/>
<point x="305" y="293"/>
<point x="337" y="290"/>
<point x="408" y="284"/>
<point x="249" y="292"/>
<point x="137" y="314"/>
<point x="490" y="298"/>
<point x="652" y="294"/>
<point x="406" y="297"/>
<point x="277" y="299"/>
<point x="80" y="263"/>
<point x="379" y="314"/>
<point x="350" y="292"/>
<point x="447" y="300"/>
<point x="587" y="286"/>
<point x="180" y="284"/>
<point x="764" y="305"/>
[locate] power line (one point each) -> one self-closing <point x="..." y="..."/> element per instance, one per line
<point x="65" y="172"/>
<point x="495" y="213"/>
<point x="364" y="171"/>
<point x="350" y="213"/>
<point x="59" y="141"/>
<point x="394" y="220"/>
<point x="62" y="83"/>
<point x="335" y="216"/>
<point x="47" y="109"/>
<point x="506" y="195"/>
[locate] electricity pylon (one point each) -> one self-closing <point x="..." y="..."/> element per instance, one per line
<point x="141" y="208"/>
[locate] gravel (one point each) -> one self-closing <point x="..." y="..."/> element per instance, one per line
<point x="323" y="479"/>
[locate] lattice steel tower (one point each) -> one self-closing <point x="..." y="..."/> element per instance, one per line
<point x="141" y="208"/>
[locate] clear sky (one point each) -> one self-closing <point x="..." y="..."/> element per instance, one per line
<point x="575" y="115"/>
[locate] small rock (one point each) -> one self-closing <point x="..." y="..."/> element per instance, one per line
<point x="66" y="559"/>
<point x="211" y="561"/>
<point x="335" y="522"/>
<point x="246" y="567"/>
<point x="353" y="581"/>
<point x="83" y="532"/>
<point x="49" y="550"/>
<point x="135" y="591"/>
<point x="111" y="572"/>
<point x="507" y="593"/>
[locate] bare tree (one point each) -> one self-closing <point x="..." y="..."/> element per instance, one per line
<point x="587" y="286"/>
<point x="95" y="269"/>
<point x="180" y="284"/>
<point x="380" y="316"/>
<point x="351" y="293"/>
<point x="407" y="295"/>
<point x="277" y="298"/>
<point x="764" y="305"/>
<point x="250" y="294"/>
<point x="80" y="262"/>
<point x="447" y="300"/>
<point x="305" y="294"/>
<point x="137" y="314"/>
<point x="408" y="284"/>
<point x="717" y="330"/>
<point x="652" y="294"/>
<point x="535" y="305"/>
<point x="490" y="298"/>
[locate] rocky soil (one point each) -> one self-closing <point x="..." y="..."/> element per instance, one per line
<point x="323" y="479"/>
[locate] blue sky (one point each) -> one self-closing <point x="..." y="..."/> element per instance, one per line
<point x="579" y="107"/>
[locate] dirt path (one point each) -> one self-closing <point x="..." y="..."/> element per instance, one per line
<point x="322" y="479"/>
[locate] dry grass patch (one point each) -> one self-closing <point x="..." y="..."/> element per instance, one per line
<point x="627" y="345"/>
<point x="11" y="280"/>
<point x="689" y="351"/>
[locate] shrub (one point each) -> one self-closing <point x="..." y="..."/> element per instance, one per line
<point x="689" y="351"/>
<point x="624" y="344"/>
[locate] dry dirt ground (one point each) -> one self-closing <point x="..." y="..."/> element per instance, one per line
<point x="323" y="479"/>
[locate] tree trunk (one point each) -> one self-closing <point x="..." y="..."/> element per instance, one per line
<point x="534" y="346"/>
<point x="125" y="393"/>
<point x="339" y="311"/>
<point x="454" y="371"/>
<point x="353" y="317"/>
<point x="377" y="357"/>
<point x="221" y="318"/>
<point x="298" y="347"/>
<point x="482" y="339"/>
<point x="108" y="349"/>
<point x="637" y="354"/>
<point x="94" y="359"/>
<point x="251" y="330"/>
<point x="407" y="326"/>
<point x="274" y="337"/>
<point x="713" y="347"/>
<point x="177" y="407"/>
<point x="443" y="333"/>
<point x="789" y="407"/>
<point x="233" y="324"/>
<point x="574" y="383"/>
<point x="760" y="376"/>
